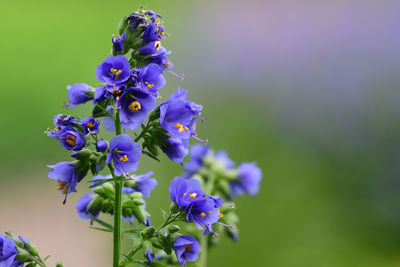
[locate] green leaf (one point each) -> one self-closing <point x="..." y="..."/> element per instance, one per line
<point x="150" y="155"/>
<point x="98" y="182"/>
<point x="101" y="229"/>
<point x="103" y="223"/>
<point x="46" y="258"/>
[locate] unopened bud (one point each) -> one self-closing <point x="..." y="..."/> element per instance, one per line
<point x="173" y="228"/>
<point x="31" y="248"/>
<point x="149" y="231"/>
<point x="22" y="255"/>
<point x="59" y="264"/>
<point x="174" y="208"/>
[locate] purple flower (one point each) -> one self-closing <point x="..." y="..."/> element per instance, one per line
<point x="124" y="153"/>
<point x="79" y="93"/>
<point x="67" y="176"/>
<point x="161" y="58"/>
<point x="62" y="120"/>
<point x="108" y="122"/>
<point x="186" y="249"/>
<point x="82" y="207"/>
<point x="149" y="256"/>
<point x="72" y="140"/>
<point x="143" y="184"/>
<point x="150" y="77"/>
<point x="178" y="116"/>
<point x="197" y="153"/>
<point x="118" y="42"/>
<point x="176" y="149"/>
<point x="134" y="20"/>
<point x="150" y="48"/>
<point x="8" y="252"/>
<point x="134" y="105"/>
<point x="101" y="146"/>
<point x="101" y="93"/>
<point x="90" y="125"/>
<point x="184" y="191"/>
<point x="114" y="71"/>
<point x="204" y="212"/>
<point x="153" y="32"/>
<point x="248" y="182"/>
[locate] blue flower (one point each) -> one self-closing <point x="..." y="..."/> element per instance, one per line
<point x="178" y="116"/>
<point x="79" y="93"/>
<point x="197" y="153"/>
<point x="153" y="32"/>
<point x="150" y="77"/>
<point x="101" y="93"/>
<point x="134" y="105"/>
<point x="114" y="71"/>
<point x="184" y="191"/>
<point x="205" y="212"/>
<point x="161" y="58"/>
<point x="149" y="256"/>
<point x="90" y="125"/>
<point x="150" y="48"/>
<point x="72" y="140"/>
<point x="142" y="184"/>
<point x="135" y="20"/>
<point x="101" y="146"/>
<point x="222" y="158"/>
<point x="82" y="207"/>
<point x="249" y="177"/>
<point x="124" y="153"/>
<point x="8" y="252"/>
<point x="118" y="42"/>
<point x="176" y="149"/>
<point x="67" y="176"/>
<point x="186" y="249"/>
<point x="62" y="120"/>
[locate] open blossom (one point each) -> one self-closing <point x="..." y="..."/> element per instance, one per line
<point x="176" y="149"/>
<point x="186" y="249"/>
<point x="124" y="153"/>
<point x="153" y="32"/>
<point x="143" y="184"/>
<point x="249" y="177"/>
<point x="114" y="71"/>
<point x="118" y="42"/>
<point x="8" y="252"/>
<point x="90" y="125"/>
<point x="67" y="176"/>
<point x="161" y="58"/>
<point x="150" y="78"/>
<point x="134" y="105"/>
<point x="79" y="93"/>
<point x="134" y="20"/>
<point x="197" y="154"/>
<point x="178" y="116"/>
<point x="72" y="140"/>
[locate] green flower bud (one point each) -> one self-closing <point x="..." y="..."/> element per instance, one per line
<point x="173" y="228"/>
<point x="16" y="240"/>
<point x="126" y="212"/>
<point x="157" y="242"/>
<point x="109" y="190"/>
<point x="84" y="154"/>
<point x="107" y="206"/>
<point x="31" y="248"/>
<point x="22" y="255"/>
<point x="138" y="202"/>
<point x="96" y="204"/>
<point x="149" y="231"/>
<point x="140" y="214"/>
<point x="59" y="264"/>
<point x="174" y="208"/>
<point x="32" y="264"/>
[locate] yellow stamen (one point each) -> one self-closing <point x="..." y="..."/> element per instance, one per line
<point x="221" y="215"/>
<point x="90" y="124"/>
<point x="157" y="45"/>
<point x="149" y="85"/>
<point x="185" y="194"/>
<point x="209" y="212"/>
<point x="62" y="186"/>
<point x="193" y="195"/>
<point x="186" y="129"/>
<point x="134" y="106"/>
<point x="218" y="209"/>
<point x="116" y="92"/>
<point x="179" y="126"/>
<point x="65" y="190"/>
<point x="203" y="214"/>
<point x="165" y="64"/>
<point x="71" y="140"/>
<point x="124" y="158"/>
<point x="188" y="247"/>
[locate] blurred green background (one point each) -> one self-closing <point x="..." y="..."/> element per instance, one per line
<point x="308" y="89"/>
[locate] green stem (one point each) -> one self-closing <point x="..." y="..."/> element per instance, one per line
<point x="117" y="204"/>
<point x="204" y="238"/>
<point x="143" y="132"/>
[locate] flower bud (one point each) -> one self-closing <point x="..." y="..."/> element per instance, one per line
<point x="59" y="264"/>
<point x="31" y="248"/>
<point x="140" y="214"/>
<point x="126" y="212"/>
<point x="101" y="146"/>
<point x="148" y="232"/>
<point x="16" y="240"/>
<point x="173" y="228"/>
<point x="32" y="264"/>
<point x="95" y="204"/>
<point x="107" y="206"/>
<point x="83" y="154"/>
<point x="174" y="208"/>
<point x="22" y="255"/>
<point x="157" y="242"/>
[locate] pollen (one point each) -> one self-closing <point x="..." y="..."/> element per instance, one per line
<point x="203" y="214"/>
<point x="209" y="212"/>
<point x="193" y="195"/>
<point x="179" y="126"/>
<point x="71" y="140"/>
<point x="134" y="106"/>
<point x="185" y="194"/>
<point x="186" y="129"/>
<point x="188" y="247"/>
<point x="157" y="45"/>
<point x="90" y="124"/>
<point x="166" y="64"/>
<point x="149" y="85"/>
<point x="221" y="215"/>
<point x="115" y="71"/>
<point x="116" y="92"/>
<point x="124" y="158"/>
<point x="62" y="186"/>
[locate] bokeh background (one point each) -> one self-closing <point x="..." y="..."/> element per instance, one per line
<point x="308" y="89"/>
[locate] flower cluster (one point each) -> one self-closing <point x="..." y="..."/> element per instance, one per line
<point x="125" y="103"/>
